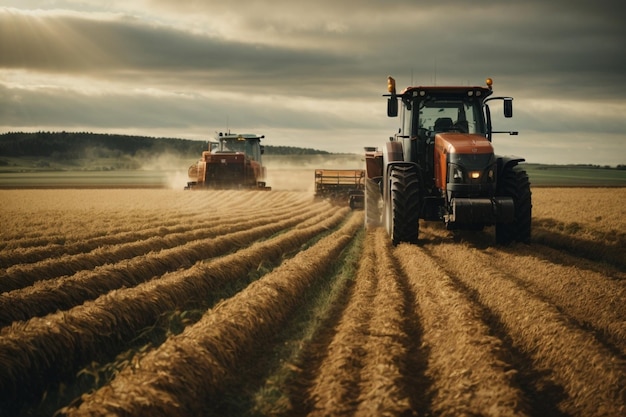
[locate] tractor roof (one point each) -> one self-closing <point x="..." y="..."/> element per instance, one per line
<point x="469" y="91"/>
<point x="239" y="136"/>
<point x="449" y="91"/>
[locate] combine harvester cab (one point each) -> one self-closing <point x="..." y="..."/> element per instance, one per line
<point x="231" y="162"/>
<point x="341" y="185"/>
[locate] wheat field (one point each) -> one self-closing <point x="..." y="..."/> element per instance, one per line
<point x="157" y="302"/>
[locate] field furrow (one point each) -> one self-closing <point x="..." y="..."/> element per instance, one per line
<point x="198" y="357"/>
<point x="578" y="241"/>
<point x="592" y="299"/>
<point x="384" y="387"/>
<point x="80" y="215"/>
<point x="590" y="376"/>
<point x="42" y="350"/>
<point x="466" y="364"/>
<point x="167" y="229"/>
<point x="20" y="276"/>
<point x="46" y="296"/>
<point x="134" y="302"/>
<point x="364" y="367"/>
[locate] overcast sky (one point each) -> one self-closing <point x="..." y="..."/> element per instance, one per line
<point x="312" y="73"/>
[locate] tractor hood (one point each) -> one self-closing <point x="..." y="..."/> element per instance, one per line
<point x="471" y="151"/>
<point x="462" y="143"/>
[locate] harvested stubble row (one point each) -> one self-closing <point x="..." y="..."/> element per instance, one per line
<point x="206" y="355"/>
<point x="48" y="296"/>
<point x="591" y="377"/>
<point x="582" y="241"/>
<point x="32" y="254"/>
<point x="140" y="230"/>
<point x="74" y="220"/>
<point x="364" y="367"/>
<point x="465" y="363"/>
<point x="193" y="242"/>
<point x="593" y="299"/>
<point x="141" y="234"/>
<point x="42" y="350"/>
<point x="83" y="226"/>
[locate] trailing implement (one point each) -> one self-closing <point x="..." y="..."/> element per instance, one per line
<point x="441" y="166"/>
<point x="341" y="185"/>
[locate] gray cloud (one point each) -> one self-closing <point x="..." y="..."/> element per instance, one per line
<point x="315" y="66"/>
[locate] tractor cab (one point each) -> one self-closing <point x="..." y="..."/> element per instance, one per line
<point x="249" y="145"/>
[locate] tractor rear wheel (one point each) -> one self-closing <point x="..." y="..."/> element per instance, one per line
<point x="514" y="183"/>
<point x="402" y="208"/>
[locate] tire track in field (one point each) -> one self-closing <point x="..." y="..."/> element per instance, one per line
<point x="554" y="354"/>
<point x="593" y="300"/>
<point x="47" y="296"/>
<point x="367" y="366"/>
<point x="23" y="255"/>
<point x="44" y="350"/>
<point x="593" y="246"/>
<point x="70" y="243"/>
<point x="467" y="366"/>
<point x="84" y="226"/>
<point x="198" y="357"/>
<point x="20" y="276"/>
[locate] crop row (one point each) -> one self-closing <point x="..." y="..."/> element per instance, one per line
<point x="46" y="296"/>
<point x="206" y="355"/>
<point x="44" y="349"/>
<point x="587" y="371"/>
<point x="20" y="276"/>
<point x="67" y="226"/>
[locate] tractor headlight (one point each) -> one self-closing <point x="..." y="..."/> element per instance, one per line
<point x="455" y="174"/>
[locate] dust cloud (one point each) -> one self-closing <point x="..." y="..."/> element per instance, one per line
<point x="297" y="172"/>
<point x="170" y="168"/>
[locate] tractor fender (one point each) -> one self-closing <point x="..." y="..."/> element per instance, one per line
<point x="508" y="162"/>
<point x="393" y="155"/>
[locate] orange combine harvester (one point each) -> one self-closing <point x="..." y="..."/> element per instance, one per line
<point x="232" y="161"/>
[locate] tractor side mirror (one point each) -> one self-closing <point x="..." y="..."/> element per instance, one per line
<point x="392" y="106"/>
<point x="508" y="107"/>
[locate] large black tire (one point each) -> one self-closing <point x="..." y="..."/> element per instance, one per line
<point x="514" y="183"/>
<point x="402" y="208"/>
<point x="372" y="203"/>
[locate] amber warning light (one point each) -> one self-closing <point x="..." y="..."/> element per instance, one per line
<point x="391" y="85"/>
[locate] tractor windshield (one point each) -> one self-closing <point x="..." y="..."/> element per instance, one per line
<point x="249" y="147"/>
<point x="450" y="115"/>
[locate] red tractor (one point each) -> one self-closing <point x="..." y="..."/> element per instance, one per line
<point x="231" y="162"/>
<point x="441" y="166"/>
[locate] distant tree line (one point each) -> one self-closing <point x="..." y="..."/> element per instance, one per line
<point x="292" y="150"/>
<point x="69" y="145"/>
